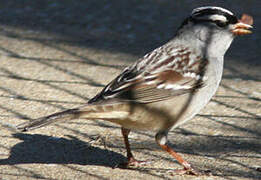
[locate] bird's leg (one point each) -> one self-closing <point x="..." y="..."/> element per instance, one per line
<point x="125" y="134"/>
<point x="161" y="139"/>
<point x="131" y="161"/>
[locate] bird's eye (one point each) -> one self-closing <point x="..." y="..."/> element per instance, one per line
<point x="221" y="23"/>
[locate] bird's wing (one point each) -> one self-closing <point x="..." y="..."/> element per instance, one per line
<point x="159" y="75"/>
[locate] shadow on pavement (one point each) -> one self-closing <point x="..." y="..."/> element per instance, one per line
<point x="49" y="150"/>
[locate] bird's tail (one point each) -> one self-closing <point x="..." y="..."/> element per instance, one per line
<point x="43" y="121"/>
<point x="105" y="112"/>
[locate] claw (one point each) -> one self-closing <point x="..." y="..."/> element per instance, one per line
<point x="192" y="172"/>
<point x="132" y="163"/>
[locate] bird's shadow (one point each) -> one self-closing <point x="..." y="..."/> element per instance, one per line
<point x="50" y="150"/>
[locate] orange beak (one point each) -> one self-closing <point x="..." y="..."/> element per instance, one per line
<point x="243" y="25"/>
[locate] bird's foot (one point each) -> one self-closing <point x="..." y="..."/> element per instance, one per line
<point x="191" y="171"/>
<point x="132" y="162"/>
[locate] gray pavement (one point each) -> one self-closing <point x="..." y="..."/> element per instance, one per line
<point x="56" y="55"/>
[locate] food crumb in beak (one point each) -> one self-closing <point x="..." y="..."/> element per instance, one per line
<point x="243" y="25"/>
<point x="247" y="19"/>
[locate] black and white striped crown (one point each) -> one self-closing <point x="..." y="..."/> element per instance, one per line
<point x="214" y="14"/>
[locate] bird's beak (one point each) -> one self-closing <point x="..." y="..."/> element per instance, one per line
<point x="243" y="26"/>
<point x="241" y="29"/>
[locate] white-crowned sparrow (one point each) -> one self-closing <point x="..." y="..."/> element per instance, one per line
<point x="167" y="86"/>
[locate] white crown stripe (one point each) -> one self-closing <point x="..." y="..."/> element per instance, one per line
<point x="197" y="10"/>
<point x="215" y="17"/>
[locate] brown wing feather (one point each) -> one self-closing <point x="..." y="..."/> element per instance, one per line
<point x="146" y="81"/>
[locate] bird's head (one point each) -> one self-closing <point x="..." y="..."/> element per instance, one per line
<point x="216" y="26"/>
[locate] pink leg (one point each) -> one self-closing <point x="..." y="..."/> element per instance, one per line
<point x="161" y="139"/>
<point x="131" y="161"/>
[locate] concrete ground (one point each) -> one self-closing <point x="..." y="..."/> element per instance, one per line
<point x="57" y="54"/>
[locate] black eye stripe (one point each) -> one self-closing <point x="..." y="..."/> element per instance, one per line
<point x="217" y="22"/>
<point x="221" y="23"/>
<point x="198" y="15"/>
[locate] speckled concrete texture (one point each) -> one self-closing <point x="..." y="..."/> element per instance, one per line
<point x="57" y="54"/>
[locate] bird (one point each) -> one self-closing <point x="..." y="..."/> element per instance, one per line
<point x="167" y="86"/>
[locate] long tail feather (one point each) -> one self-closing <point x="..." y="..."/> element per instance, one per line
<point x="43" y="121"/>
